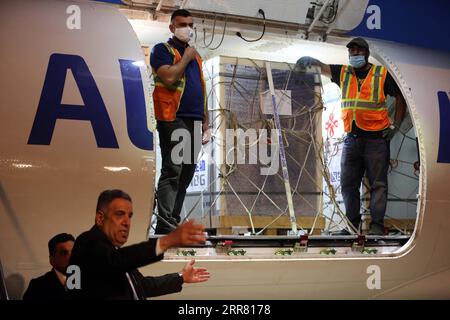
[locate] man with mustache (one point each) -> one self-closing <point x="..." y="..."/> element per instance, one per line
<point x="109" y="270"/>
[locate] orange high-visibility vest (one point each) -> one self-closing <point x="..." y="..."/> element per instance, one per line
<point x="167" y="98"/>
<point x="366" y="106"/>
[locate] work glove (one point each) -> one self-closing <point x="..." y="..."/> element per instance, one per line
<point x="305" y="62"/>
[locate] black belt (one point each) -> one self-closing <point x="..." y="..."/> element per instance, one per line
<point x="371" y="135"/>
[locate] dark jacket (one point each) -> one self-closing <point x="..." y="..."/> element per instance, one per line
<point x="46" y="287"/>
<point x="103" y="269"/>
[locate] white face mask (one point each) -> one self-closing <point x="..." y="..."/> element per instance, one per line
<point x="184" y="34"/>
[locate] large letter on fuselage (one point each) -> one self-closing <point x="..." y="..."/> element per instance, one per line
<point x="51" y="109"/>
<point x="138" y="131"/>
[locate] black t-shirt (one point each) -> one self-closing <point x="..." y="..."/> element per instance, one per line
<point x="390" y="88"/>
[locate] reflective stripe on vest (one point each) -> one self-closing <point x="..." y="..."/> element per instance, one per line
<point x="365" y="105"/>
<point x="167" y="98"/>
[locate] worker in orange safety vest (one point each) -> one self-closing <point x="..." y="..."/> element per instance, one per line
<point x="364" y="87"/>
<point x="180" y="105"/>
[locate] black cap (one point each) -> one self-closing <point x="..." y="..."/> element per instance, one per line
<point x="360" y="42"/>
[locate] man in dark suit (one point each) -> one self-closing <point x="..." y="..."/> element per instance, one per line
<point x="109" y="270"/>
<point x="51" y="286"/>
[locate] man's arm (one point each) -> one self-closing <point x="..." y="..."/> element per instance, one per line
<point x="172" y="282"/>
<point x="170" y="74"/>
<point x="92" y="248"/>
<point x="206" y="116"/>
<point x="158" y="286"/>
<point x="103" y="255"/>
<point x="400" y="109"/>
<point x="305" y="62"/>
<point x="186" y="234"/>
<point x="191" y="274"/>
<point x="326" y="70"/>
<point x="206" y="130"/>
<point x="391" y="88"/>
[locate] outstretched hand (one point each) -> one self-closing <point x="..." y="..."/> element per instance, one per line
<point x="305" y="62"/>
<point x="194" y="275"/>
<point x="185" y="234"/>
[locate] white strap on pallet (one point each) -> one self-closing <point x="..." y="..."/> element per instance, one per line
<point x="287" y="184"/>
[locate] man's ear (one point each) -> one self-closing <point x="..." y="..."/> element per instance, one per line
<point x="172" y="28"/>
<point x="50" y="260"/>
<point x="99" y="218"/>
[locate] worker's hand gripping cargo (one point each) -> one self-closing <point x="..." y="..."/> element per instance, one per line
<point x="306" y="62"/>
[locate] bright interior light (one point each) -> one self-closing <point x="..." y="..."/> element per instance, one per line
<point x="139" y="63"/>
<point x="22" y="165"/>
<point x="117" y="169"/>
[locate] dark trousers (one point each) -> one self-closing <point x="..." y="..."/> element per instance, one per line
<point x="371" y="156"/>
<point x="176" y="175"/>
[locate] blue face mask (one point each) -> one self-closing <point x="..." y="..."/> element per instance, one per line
<point x="357" y="61"/>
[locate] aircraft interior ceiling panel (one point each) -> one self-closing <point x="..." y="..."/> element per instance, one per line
<point x="350" y="14"/>
<point x="343" y="15"/>
<point x="281" y="10"/>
